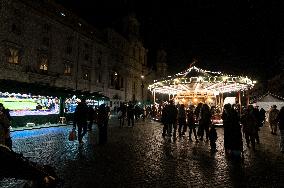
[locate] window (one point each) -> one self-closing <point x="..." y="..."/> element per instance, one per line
<point x="45" y="41"/>
<point x="86" y="74"/>
<point x="67" y="69"/>
<point x="114" y="79"/>
<point x="87" y="57"/>
<point x="134" y="53"/>
<point x="15" y="29"/>
<point x="68" y="50"/>
<point x="99" y="57"/>
<point x="46" y="28"/>
<point x="13" y="56"/>
<point x="100" y="78"/>
<point x="69" y="42"/>
<point x="99" y="61"/>
<point x="121" y="82"/>
<point x="43" y="67"/>
<point x="86" y="52"/>
<point x="134" y="88"/>
<point x="43" y="63"/>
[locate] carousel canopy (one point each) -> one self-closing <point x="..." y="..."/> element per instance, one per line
<point x="195" y="81"/>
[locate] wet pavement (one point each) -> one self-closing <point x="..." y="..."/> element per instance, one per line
<point x="141" y="157"/>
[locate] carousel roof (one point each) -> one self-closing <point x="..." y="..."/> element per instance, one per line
<point x="196" y="80"/>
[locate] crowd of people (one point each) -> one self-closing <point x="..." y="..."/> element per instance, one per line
<point x="85" y="116"/>
<point x="237" y="123"/>
<point x="177" y="120"/>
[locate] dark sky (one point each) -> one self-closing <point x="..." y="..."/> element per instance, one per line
<point x="238" y="36"/>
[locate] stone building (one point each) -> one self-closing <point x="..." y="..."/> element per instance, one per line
<point x="41" y="42"/>
<point x="161" y="64"/>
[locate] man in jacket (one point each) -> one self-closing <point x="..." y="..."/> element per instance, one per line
<point x="80" y="119"/>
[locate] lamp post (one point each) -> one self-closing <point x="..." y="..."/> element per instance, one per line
<point x="142" y="88"/>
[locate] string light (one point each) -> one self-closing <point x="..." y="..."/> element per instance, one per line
<point x="210" y="82"/>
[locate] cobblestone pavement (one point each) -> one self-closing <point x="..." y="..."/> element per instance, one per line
<point x="141" y="157"/>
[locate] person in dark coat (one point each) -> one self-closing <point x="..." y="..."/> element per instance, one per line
<point x="262" y="116"/>
<point x="81" y="118"/>
<point x="280" y="119"/>
<point x="172" y="118"/>
<point x="130" y="114"/>
<point x="164" y="119"/>
<point x="213" y="138"/>
<point x="232" y="131"/>
<point x="5" y="123"/>
<point x="122" y="114"/>
<point x="258" y="123"/>
<point x="91" y="116"/>
<point x="103" y="123"/>
<point x="236" y="134"/>
<point x="191" y="123"/>
<point x="226" y="125"/>
<point x="204" y="122"/>
<point x="250" y="126"/>
<point x="181" y="120"/>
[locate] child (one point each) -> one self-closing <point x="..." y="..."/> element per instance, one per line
<point x="213" y="138"/>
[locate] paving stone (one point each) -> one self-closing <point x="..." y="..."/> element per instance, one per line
<point x="141" y="157"/>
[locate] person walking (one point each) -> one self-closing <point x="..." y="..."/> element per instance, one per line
<point x="5" y="123"/>
<point x="262" y="116"/>
<point x="181" y="120"/>
<point x="281" y="128"/>
<point x="103" y="123"/>
<point x="130" y="114"/>
<point x="164" y="120"/>
<point x="272" y="119"/>
<point x="232" y="130"/>
<point x="91" y="117"/>
<point x="191" y="123"/>
<point x="80" y="119"/>
<point x="250" y="126"/>
<point x="121" y="114"/>
<point x="204" y="122"/>
<point x="258" y="122"/>
<point x="172" y="118"/>
<point x="213" y="138"/>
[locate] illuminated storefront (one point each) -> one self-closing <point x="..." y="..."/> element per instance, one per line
<point x="35" y="104"/>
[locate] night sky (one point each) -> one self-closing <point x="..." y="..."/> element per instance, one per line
<point x="235" y="36"/>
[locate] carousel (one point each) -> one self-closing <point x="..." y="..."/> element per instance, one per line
<point x="196" y="85"/>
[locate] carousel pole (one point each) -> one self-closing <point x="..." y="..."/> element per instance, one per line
<point x="248" y="97"/>
<point x="240" y="101"/>
<point x="222" y="102"/>
<point x="216" y="100"/>
<point x="154" y="95"/>
<point x="169" y="96"/>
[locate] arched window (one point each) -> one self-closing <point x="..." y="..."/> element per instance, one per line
<point x="13" y="56"/>
<point x="43" y="64"/>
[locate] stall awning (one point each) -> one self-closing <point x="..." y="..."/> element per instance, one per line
<point x="13" y="86"/>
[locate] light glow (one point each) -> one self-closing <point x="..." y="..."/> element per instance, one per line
<point x="202" y="82"/>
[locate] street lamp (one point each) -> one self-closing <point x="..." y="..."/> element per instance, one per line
<point x="142" y="88"/>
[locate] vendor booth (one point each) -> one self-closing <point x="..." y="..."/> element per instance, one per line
<point x="33" y="104"/>
<point x="268" y="100"/>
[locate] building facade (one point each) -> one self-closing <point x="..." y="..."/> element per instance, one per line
<point x="41" y="42"/>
